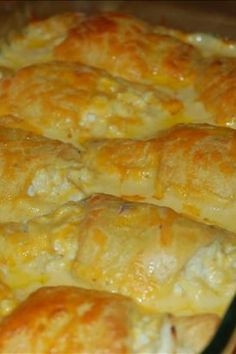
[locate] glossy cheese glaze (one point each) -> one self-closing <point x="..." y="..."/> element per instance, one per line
<point x="113" y="86"/>
<point x="190" y="168"/>
<point x="67" y="319"/>
<point x="72" y="102"/>
<point x="165" y="58"/>
<point x="104" y="243"/>
<point x="37" y="174"/>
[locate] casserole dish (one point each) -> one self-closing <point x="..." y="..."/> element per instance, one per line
<point x="43" y="74"/>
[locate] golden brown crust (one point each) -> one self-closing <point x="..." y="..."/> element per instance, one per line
<point x="72" y="102"/>
<point x="216" y="84"/>
<point x="66" y="320"/>
<point x="151" y="254"/>
<point x="153" y="268"/>
<point x="37" y="174"/>
<point x="155" y="57"/>
<point x="190" y="168"/>
<point x="160" y="57"/>
<point x="130" y="248"/>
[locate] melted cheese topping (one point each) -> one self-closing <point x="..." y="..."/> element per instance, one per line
<point x="197" y="71"/>
<point x="38" y="254"/>
<point x="124" y="40"/>
<point x="63" y="319"/>
<point x="83" y="242"/>
<point x="172" y="169"/>
<point x="75" y="78"/>
<point x="72" y="103"/>
<point x="37" y="174"/>
<point x="189" y="168"/>
<point x="207" y="43"/>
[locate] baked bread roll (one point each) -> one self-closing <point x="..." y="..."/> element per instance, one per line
<point x="73" y="320"/>
<point x="108" y="84"/>
<point x="72" y="102"/>
<point x="199" y="75"/>
<point x="158" y="58"/>
<point x="155" y="57"/>
<point x="37" y="174"/>
<point x="124" y="40"/>
<point x="190" y="168"/>
<point x="163" y="59"/>
<point x="151" y="254"/>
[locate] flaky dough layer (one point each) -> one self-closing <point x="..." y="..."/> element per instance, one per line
<point x="151" y="254"/>
<point x="68" y="319"/>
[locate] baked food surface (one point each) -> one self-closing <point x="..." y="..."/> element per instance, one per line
<point x="123" y="38"/>
<point x="75" y="103"/>
<point x="91" y="104"/>
<point x="37" y="174"/>
<point x="105" y="243"/>
<point x="202" y="75"/>
<point x="67" y="319"/>
<point x="8" y="301"/>
<point x="190" y="168"/>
